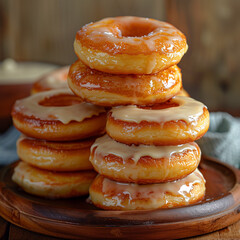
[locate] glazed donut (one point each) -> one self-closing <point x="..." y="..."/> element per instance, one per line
<point x="144" y="163"/>
<point x="109" y="89"/>
<point x="183" y="93"/>
<point x="54" y="80"/>
<point x="58" y="115"/>
<point x="55" y="156"/>
<point x="130" y="45"/>
<point x="111" y="195"/>
<point x="51" y="184"/>
<point x="177" y="121"/>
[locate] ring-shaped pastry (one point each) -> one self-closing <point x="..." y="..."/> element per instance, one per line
<point x="177" y="121"/>
<point x="53" y="80"/>
<point x="143" y="164"/>
<point x="52" y="184"/>
<point x="58" y="115"/>
<point x="130" y="45"/>
<point x="111" y="195"/>
<point x="55" y="156"/>
<point x="183" y="93"/>
<point x="111" y="90"/>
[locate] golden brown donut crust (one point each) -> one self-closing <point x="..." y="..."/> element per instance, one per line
<point x="55" y="130"/>
<point x="147" y="169"/>
<point x="161" y="133"/>
<point x="123" y="199"/>
<point x="130" y="45"/>
<point x="55" y="156"/>
<point x="111" y="90"/>
<point x="52" y="184"/>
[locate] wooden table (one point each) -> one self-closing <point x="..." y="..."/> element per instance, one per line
<point x="12" y="232"/>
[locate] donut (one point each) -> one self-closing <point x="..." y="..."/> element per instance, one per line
<point x="111" y="195"/>
<point x="130" y="45"/>
<point x="58" y="115"/>
<point x="143" y="164"/>
<point x="54" y="80"/>
<point x="52" y="184"/>
<point x="177" y="121"/>
<point x="110" y="89"/>
<point x="183" y="93"/>
<point x="55" y="156"/>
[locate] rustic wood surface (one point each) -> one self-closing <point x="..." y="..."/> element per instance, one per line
<point x="11" y="232"/>
<point x="44" y="30"/>
<point x="74" y="218"/>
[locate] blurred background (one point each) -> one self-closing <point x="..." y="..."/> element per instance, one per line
<point x="44" y="31"/>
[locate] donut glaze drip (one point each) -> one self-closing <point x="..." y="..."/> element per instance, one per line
<point x="105" y="145"/>
<point x="132" y="35"/>
<point x="78" y="112"/>
<point x="131" y="191"/>
<point x="188" y="110"/>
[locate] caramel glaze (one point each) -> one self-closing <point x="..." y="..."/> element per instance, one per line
<point x="132" y="36"/>
<point x="134" y="86"/>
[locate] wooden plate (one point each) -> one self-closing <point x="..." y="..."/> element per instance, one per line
<point x="76" y="219"/>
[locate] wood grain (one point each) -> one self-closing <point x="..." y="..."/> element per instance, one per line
<point x="229" y="233"/>
<point x="211" y="66"/>
<point x="17" y="233"/>
<point x="45" y="30"/>
<point x="4" y="225"/>
<point x="76" y="219"/>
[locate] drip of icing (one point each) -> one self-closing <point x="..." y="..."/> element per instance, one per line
<point x="78" y="112"/>
<point x="188" y="110"/>
<point x="182" y="187"/>
<point x="106" y="145"/>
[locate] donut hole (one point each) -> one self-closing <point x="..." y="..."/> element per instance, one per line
<point x="159" y="106"/>
<point x="60" y="100"/>
<point x="137" y="29"/>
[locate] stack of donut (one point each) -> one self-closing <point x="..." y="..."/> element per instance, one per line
<point x="148" y="159"/>
<point x="58" y="130"/>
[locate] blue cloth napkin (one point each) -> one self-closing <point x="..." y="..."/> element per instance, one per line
<point x="8" y="153"/>
<point x="222" y="141"/>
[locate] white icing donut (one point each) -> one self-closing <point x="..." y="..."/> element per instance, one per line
<point x="77" y="112"/>
<point x="154" y="191"/>
<point x="188" y="110"/>
<point x="179" y="120"/>
<point x="106" y="145"/>
<point x="108" y="194"/>
<point x="143" y="164"/>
